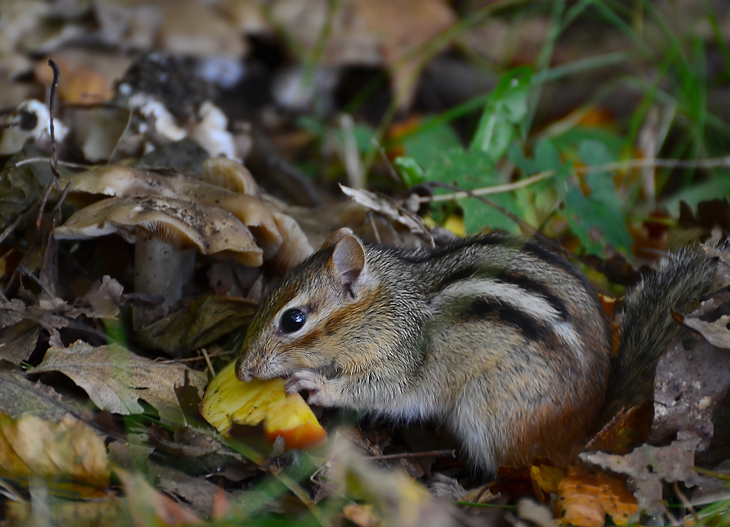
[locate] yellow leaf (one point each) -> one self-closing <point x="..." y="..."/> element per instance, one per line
<point x="68" y="455"/>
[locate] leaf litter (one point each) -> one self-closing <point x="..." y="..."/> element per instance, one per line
<point x="108" y="341"/>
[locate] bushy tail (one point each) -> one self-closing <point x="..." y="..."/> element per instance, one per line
<point x="648" y="325"/>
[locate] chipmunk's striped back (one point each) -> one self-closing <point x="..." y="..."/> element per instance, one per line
<point x="542" y="348"/>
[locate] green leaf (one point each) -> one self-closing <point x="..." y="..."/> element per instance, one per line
<point x="598" y="219"/>
<point x="363" y="136"/>
<point x="478" y="214"/>
<point x="427" y="146"/>
<point x="505" y="108"/>
<point x="471" y="170"/>
<point x="468" y="170"/>
<point x="409" y="170"/>
<point x="567" y="140"/>
<point x="596" y="153"/>
<point x="546" y="157"/>
<point x="596" y="223"/>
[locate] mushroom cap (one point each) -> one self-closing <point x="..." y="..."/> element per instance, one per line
<point x="123" y="182"/>
<point x="295" y="248"/>
<point x="211" y="230"/>
<point x="231" y="175"/>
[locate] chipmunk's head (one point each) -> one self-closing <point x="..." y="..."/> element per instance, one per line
<point x="304" y="322"/>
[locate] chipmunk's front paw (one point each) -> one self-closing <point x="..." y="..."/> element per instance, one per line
<point x="310" y="382"/>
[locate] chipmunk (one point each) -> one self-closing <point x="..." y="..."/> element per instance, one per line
<point x="497" y="337"/>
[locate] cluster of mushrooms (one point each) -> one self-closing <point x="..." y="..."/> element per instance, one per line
<point x="170" y="218"/>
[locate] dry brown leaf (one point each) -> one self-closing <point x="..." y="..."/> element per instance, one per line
<point x="689" y="386"/>
<point x="369" y="32"/>
<point x="389" y="208"/>
<point x="116" y="378"/>
<point x="67" y="454"/>
<point x="149" y="506"/>
<point x="399" y="34"/>
<point x="624" y="431"/>
<point x="53" y="314"/>
<point x="509" y="41"/>
<point x="185" y="27"/>
<point x="716" y="332"/>
<point x="17" y="342"/>
<point x="648" y="466"/>
<point x="710" y="319"/>
<point x="586" y="497"/>
<point x="19" y="396"/>
<point x="197" y="492"/>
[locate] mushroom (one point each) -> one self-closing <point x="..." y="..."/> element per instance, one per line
<point x="231" y="175"/>
<point x="166" y="231"/>
<point x="30" y="121"/>
<point x="123" y="182"/>
<point x="295" y="247"/>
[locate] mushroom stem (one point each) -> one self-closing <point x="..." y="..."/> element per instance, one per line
<point x="162" y="269"/>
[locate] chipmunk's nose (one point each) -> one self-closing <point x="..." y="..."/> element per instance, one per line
<point x="247" y="369"/>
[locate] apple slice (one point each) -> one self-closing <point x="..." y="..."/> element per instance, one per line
<point x="228" y="400"/>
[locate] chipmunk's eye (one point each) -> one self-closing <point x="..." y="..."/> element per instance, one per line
<point x="292" y="320"/>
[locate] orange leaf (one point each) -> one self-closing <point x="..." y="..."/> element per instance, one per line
<point x="586" y="497"/>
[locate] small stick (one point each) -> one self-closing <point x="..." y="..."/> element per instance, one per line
<point x="434" y="453"/>
<point x="54" y="151"/>
<point x="54" y="86"/>
<point x="715" y="162"/>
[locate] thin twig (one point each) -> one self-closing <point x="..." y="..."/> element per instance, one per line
<point x="526" y="227"/>
<point x="54" y="86"/>
<point x="495" y="189"/>
<point x="29" y="160"/>
<point x="715" y="162"/>
<point x="54" y="150"/>
<point x="207" y="361"/>
<point x="686" y="502"/>
<point x="44" y="199"/>
<point x="24" y="271"/>
<point x="391" y="170"/>
<point x="403" y="455"/>
<point x="353" y="163"/>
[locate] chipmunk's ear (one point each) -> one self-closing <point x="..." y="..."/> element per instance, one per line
<point x="348" y="260"/>
<point x="335" y="237"/>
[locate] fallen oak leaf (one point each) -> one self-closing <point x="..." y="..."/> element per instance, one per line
<point x="115" y="378"/>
